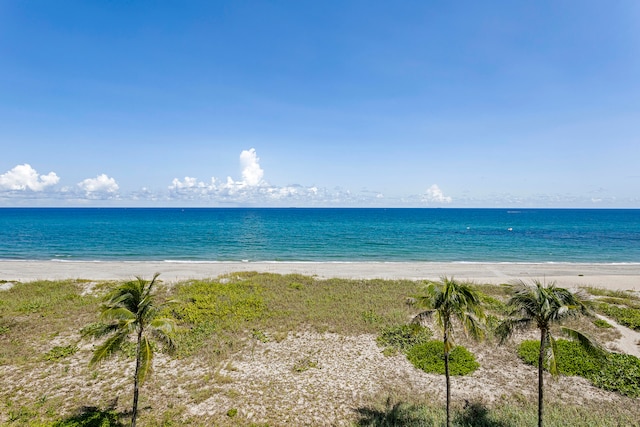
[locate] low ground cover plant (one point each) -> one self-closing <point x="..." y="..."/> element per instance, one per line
<point x="627" y="316"/>
<point x="61" y="352"/>
<point x="602" y="324"/>
<point x="615" y="372"/>
<point x="403" y="337"/>
<point x="429" y="357"/>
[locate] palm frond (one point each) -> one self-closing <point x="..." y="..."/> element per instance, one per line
<point x="146" y="356"/>
<point x="117" y="313"/>
<point x="447" y="300"/>
<point x="163" y="330"/>
<point x="426" y="299"/>
<point x="586" y="342"/>
<point x="121" y="295"/>
<point x="449" y="344"/>
<point x="473" y="326"/>
<point x="148" y="285"/>
<point x="98" y="330"/>
<point x="550" y="351"/>
<point x="164" y="324"/>
<point x="108" y="348"/>
<point x="167" y="341"/>
<point x="505" y="329"/>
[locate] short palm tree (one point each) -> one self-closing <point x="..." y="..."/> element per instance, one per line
<point x="540" y="306"/>
<point x="130" y="309"/>
<point x="449" y="300"/>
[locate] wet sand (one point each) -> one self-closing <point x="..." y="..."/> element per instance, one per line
<point x="613" y="276"/>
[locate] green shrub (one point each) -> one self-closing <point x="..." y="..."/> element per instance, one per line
<point x="60" y="352"/>
<point x="628" y="302"/>
<point x="602" y="324"/>
<point x="627" y="316"/>
<point x="621" y="373"/>
<point x="615" y="372"/>
<point x="615" y="293"/>
<point x="403" y="337"/>
<point x="571" y="358"/>
<point x="429" y="357"/>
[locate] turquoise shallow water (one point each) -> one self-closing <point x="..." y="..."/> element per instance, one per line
<point x="437" y="235"/>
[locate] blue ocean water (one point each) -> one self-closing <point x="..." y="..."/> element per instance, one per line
<point x="229" y="234"/>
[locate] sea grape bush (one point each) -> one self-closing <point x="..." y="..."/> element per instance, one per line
<point x="627" y="316"/>
<point x="615" y="372"/>
<point x="571" y="358"/>
<point x="403" y="337"/>
<point x="429" y="357"/>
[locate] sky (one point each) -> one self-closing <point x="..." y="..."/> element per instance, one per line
<point x="332" y="103"/>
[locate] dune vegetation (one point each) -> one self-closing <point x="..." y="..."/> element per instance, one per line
<point x="263" y="349"/>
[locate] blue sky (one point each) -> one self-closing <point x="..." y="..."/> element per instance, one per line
<point x="320" y="103"/>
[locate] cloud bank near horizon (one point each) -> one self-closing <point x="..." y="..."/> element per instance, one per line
<point x="254" y="189"/>
<point x="23" y="184"/>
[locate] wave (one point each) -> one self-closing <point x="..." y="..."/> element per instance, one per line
<point x="312" y="262"/>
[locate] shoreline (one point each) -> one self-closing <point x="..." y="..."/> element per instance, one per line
<point x="612" y="276"/>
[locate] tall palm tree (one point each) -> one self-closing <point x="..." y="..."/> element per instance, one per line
<point x="540" y="306"/>
<point x="129" y="309"/>
<point x="449" y="300"/>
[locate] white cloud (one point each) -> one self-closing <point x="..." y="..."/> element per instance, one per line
<point x="254" y="190"/>
<point x="100" y="186"/>
<point x="250" y="185"/>
<point x="435" y="195"/>
<point x="252" y="173"/>
<point x="24" y="177"/>
<point x="190" y="183"/>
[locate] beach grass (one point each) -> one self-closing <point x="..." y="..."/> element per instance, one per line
<point x="230" y="322"/>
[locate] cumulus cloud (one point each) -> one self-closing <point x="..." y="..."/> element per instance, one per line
<point x="252" y="179"/>
<point x="435" y="195"/>
<point x="190" y="183"/>
<point x="253" y="189"/>
<point x="100" y="186"/>
<point x="24" y="177"/>
<point x="252" y="173"/>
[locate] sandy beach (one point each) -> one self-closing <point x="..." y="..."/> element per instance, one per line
<point x="613" y="276"/>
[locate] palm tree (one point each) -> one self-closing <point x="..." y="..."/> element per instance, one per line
<point x="130" y="309"/>
<point x="449" y="300"/>
<point x="542" y="306"/>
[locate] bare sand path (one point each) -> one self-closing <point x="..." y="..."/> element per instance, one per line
<point x="613" y="276"/>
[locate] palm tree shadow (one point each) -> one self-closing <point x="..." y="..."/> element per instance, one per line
<point x="92" y="416"/>
<point x="403" y="414"/>
<point x="475" y="414"/>
<point x="397" y="415"/>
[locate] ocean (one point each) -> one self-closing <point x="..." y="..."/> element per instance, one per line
<point x="321" y="235"/>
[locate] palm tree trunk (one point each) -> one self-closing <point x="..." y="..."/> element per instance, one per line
<point x="543" y="340"/>
<point x="446" y="374"/>
<point x="445" y="340"/>
<point x="134" y="410"/>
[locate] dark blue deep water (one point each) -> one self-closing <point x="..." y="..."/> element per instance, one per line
<point x="224" y="234"/>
